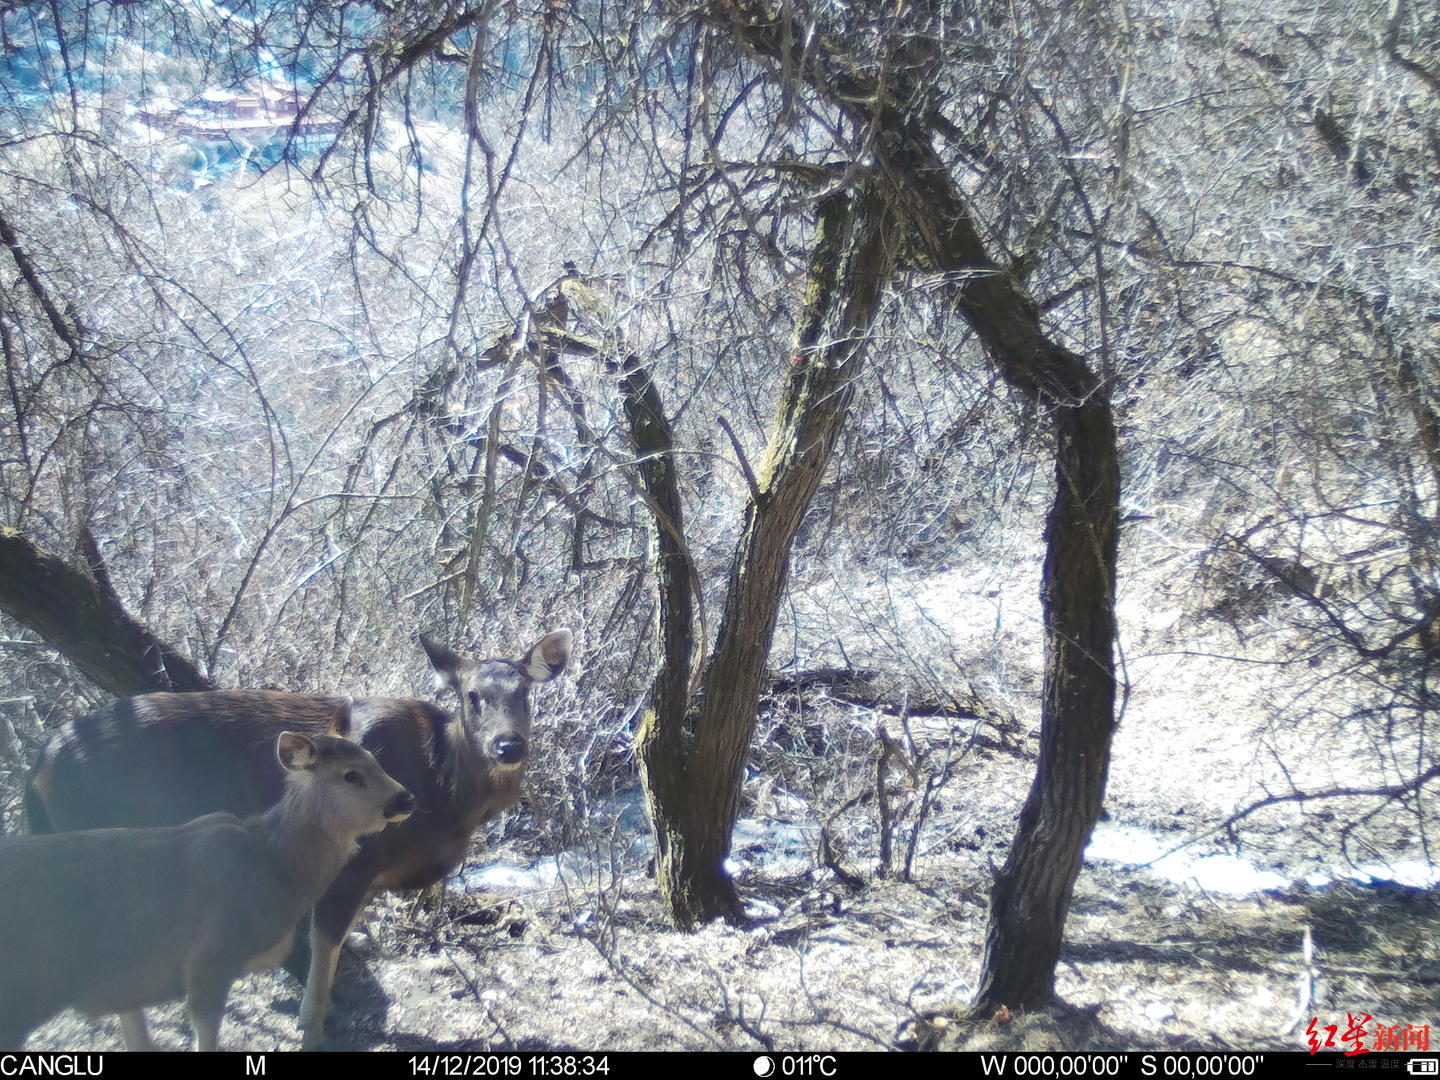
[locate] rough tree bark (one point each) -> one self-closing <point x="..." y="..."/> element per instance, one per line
<point x="1032" y="893"/>
<point x="659" y="743"/>
<point x="80" y="615"/>
<point x="693" y="753"/>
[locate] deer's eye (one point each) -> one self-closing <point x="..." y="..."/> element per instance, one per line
<point x="356" y="778"/>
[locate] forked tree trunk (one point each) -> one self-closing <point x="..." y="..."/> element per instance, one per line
<point x="1032" y="893"/>
<point x="693" y="755"/>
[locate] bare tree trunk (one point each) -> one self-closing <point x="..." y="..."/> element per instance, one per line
<point x="1032" y="893"/>
<point x="694" y="785"/>
<point x="82" y="617"/>
<point x="659" y="742"/>
<point x="1031" y="897"/>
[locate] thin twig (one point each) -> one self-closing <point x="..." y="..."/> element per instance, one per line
<point x="740" y="456"/>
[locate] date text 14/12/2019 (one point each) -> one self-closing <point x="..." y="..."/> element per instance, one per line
<point x="527" y="1066"/>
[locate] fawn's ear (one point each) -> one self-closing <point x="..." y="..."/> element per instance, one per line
<point x="296" y="751"/>
<point x="548" y="656"/>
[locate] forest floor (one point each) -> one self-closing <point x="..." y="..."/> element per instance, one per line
<point x="884" y="964"/>
<point x="584" y="959"/>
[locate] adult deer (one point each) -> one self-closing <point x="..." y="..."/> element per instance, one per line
<point x="112" y="920"/>
<point x="164" y="758"/>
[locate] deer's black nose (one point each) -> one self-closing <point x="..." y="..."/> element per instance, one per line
<point x="508" y="749"/>
<point x="402" y="805"/>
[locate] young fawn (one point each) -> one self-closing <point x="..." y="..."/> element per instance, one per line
<point x="112" y="920"/>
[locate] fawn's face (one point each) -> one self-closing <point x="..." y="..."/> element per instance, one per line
<point x="351" y="794"/>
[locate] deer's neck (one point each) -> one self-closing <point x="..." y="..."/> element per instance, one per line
<point x="309" y="848"/>
<point x="480" y="787"/>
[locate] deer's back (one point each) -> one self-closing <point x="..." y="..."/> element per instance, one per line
<point x="163" y="759"/>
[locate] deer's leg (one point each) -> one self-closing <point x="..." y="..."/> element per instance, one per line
<point x="137" y="1035"/>
<point x="329" y="923"/>
<point x="206" y="988"/>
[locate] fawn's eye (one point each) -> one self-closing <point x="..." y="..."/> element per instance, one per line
<point x="356" y="778"/>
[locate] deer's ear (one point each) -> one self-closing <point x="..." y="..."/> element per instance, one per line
<point x="447" y="663"/>
<point x="296" y="751"/>
<point x="339" y="725"/>
<point x="548" y="656"/>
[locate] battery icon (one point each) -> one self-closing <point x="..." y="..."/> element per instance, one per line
<point x="1423" y="1066"/>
